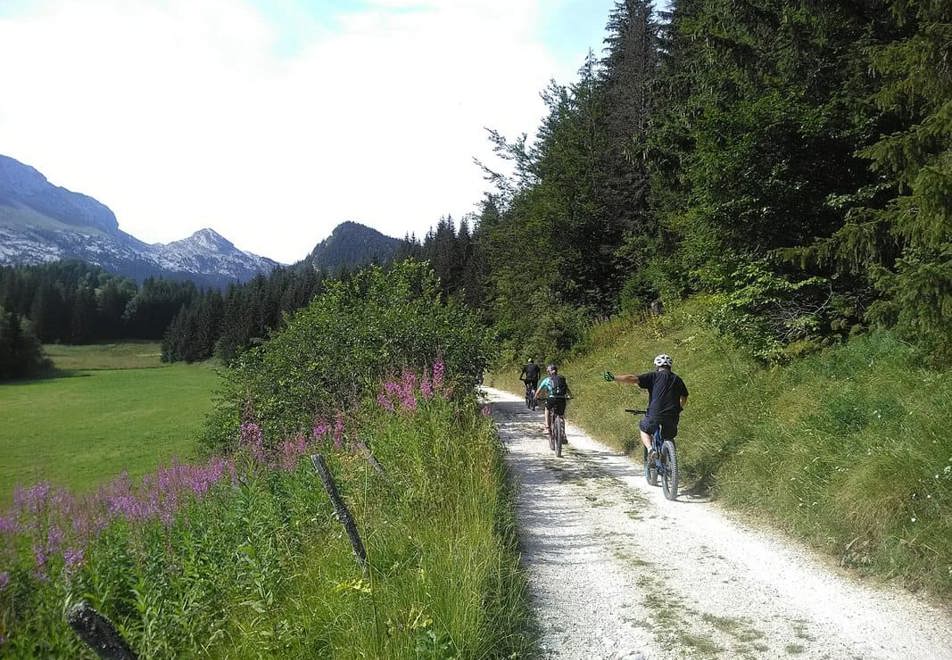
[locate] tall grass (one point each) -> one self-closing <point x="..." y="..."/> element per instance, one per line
<point x="849" y="448"/>
<point x="241" y="556"/>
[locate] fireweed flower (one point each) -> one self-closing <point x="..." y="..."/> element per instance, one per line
<point x="384" y="402"/>
<point x="39" y="558"/>
<point x="291" y="452"/>
<point x="54" y="539"/>
<point x="321" y="428"/>
<point x="73" y="558"/>
<point x="252" y="437"/>
<point x="439" y="372"/>
<point x="426" y="385"/>
<point x="408" y="399"/>
<point x="8" y="525"/>
<point x="487" y="411"/>
<point x="4" y="580"/>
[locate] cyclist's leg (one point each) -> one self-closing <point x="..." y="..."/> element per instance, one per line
<point x="548" y="416"/>
<point x="647" y="427"/>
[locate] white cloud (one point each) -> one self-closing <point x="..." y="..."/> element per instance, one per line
<point x="182" y="114"/>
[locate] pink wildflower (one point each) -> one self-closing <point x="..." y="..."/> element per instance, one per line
<point x="73" y="558"/>
<point x="426" y="385"/>
<point x="408" y="399"/>
<point x="384" y="402"/>
<point x="4" y="580"/>
<point x="252" y="437"/>
<point x="321" y="428"/>
<point x="439" y="373"/>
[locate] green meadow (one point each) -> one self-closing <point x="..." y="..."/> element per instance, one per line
<point x="108" y="408"/>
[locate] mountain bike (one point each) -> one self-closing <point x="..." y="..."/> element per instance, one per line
<point x="531" y="402"/>
<point x="557" y="428"/>
<point x="664" y="462"/>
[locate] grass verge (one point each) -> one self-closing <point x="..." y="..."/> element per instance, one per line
<point x="243" y="558"/>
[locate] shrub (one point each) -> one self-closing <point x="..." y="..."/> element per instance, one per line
<point x="335" y="350"/>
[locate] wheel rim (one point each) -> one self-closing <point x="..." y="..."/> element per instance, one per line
<point x="669" y="476"/>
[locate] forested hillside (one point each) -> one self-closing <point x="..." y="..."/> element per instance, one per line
<point x="789" y="158"/>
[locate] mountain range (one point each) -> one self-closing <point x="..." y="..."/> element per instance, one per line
<point x="41" y="222"/>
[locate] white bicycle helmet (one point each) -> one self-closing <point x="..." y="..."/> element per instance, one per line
<point x="663" y="360"/>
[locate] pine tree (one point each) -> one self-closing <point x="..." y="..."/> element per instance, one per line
<point x="917" y="161"/>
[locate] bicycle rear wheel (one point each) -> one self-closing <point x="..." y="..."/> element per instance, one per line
<point x="559" y="435"/>
<point x="669" y="476"/>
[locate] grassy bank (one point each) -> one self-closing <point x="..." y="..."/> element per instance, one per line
<point x="242" y="557"/>
<point x="109" y="408"/>
<point x="849" y="448"/>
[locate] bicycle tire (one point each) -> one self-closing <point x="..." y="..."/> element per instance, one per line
<point x="560" y="435"/>
<point x="669" y="477"/>
<point x="651" y="473"/>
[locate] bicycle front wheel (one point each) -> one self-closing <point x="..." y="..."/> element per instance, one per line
<point x="669" y="477"/>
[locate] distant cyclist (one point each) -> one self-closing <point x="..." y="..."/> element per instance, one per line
<point x="530" y="374"/>
<point x="667" y="396"/>
<point x="556" y="386"/>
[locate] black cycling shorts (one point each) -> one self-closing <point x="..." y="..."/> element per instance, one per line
<point x="557" y="405"/>
<point x="533" y="383"/>
<point x="669" y="426"/>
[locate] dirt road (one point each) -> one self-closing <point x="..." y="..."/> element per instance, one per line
<point x="617" y="571"/>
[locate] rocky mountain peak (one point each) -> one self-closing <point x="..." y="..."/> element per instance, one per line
<point x="22" y="186"/>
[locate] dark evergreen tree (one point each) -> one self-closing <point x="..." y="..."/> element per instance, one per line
<point x="21" y="354"/>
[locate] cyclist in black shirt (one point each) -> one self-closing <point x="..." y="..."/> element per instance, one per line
<point x="667" y="396"/>
<point x="530" y="374"/>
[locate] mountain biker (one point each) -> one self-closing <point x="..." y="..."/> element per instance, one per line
<point x="556" y="386"/>
<point x="667" y="396"/>
<point x="530" y="374"/>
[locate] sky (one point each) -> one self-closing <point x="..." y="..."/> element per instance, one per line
<point x="272" y="121"/>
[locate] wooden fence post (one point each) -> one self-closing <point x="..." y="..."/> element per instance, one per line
<point x="343" y="514"/>
<point x="366" y="453"/>
<point x="98" y="632"/>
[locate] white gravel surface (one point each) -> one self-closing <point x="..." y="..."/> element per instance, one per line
<point x="617" y="571"/>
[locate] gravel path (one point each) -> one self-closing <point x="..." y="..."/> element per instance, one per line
<point x="617" y="571"/>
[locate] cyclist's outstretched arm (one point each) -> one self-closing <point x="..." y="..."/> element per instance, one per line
<point x="631" y="379"/>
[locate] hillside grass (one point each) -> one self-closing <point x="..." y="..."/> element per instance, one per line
<point x="109" y="408"/>
<point x="849" y="448"/>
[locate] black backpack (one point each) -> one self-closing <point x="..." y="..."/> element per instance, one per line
<point x="559" y="386"/>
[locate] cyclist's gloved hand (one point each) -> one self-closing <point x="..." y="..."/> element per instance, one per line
<point x="608" y="376"/>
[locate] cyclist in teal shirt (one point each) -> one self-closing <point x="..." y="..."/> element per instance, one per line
<point x="556" y="386"/>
